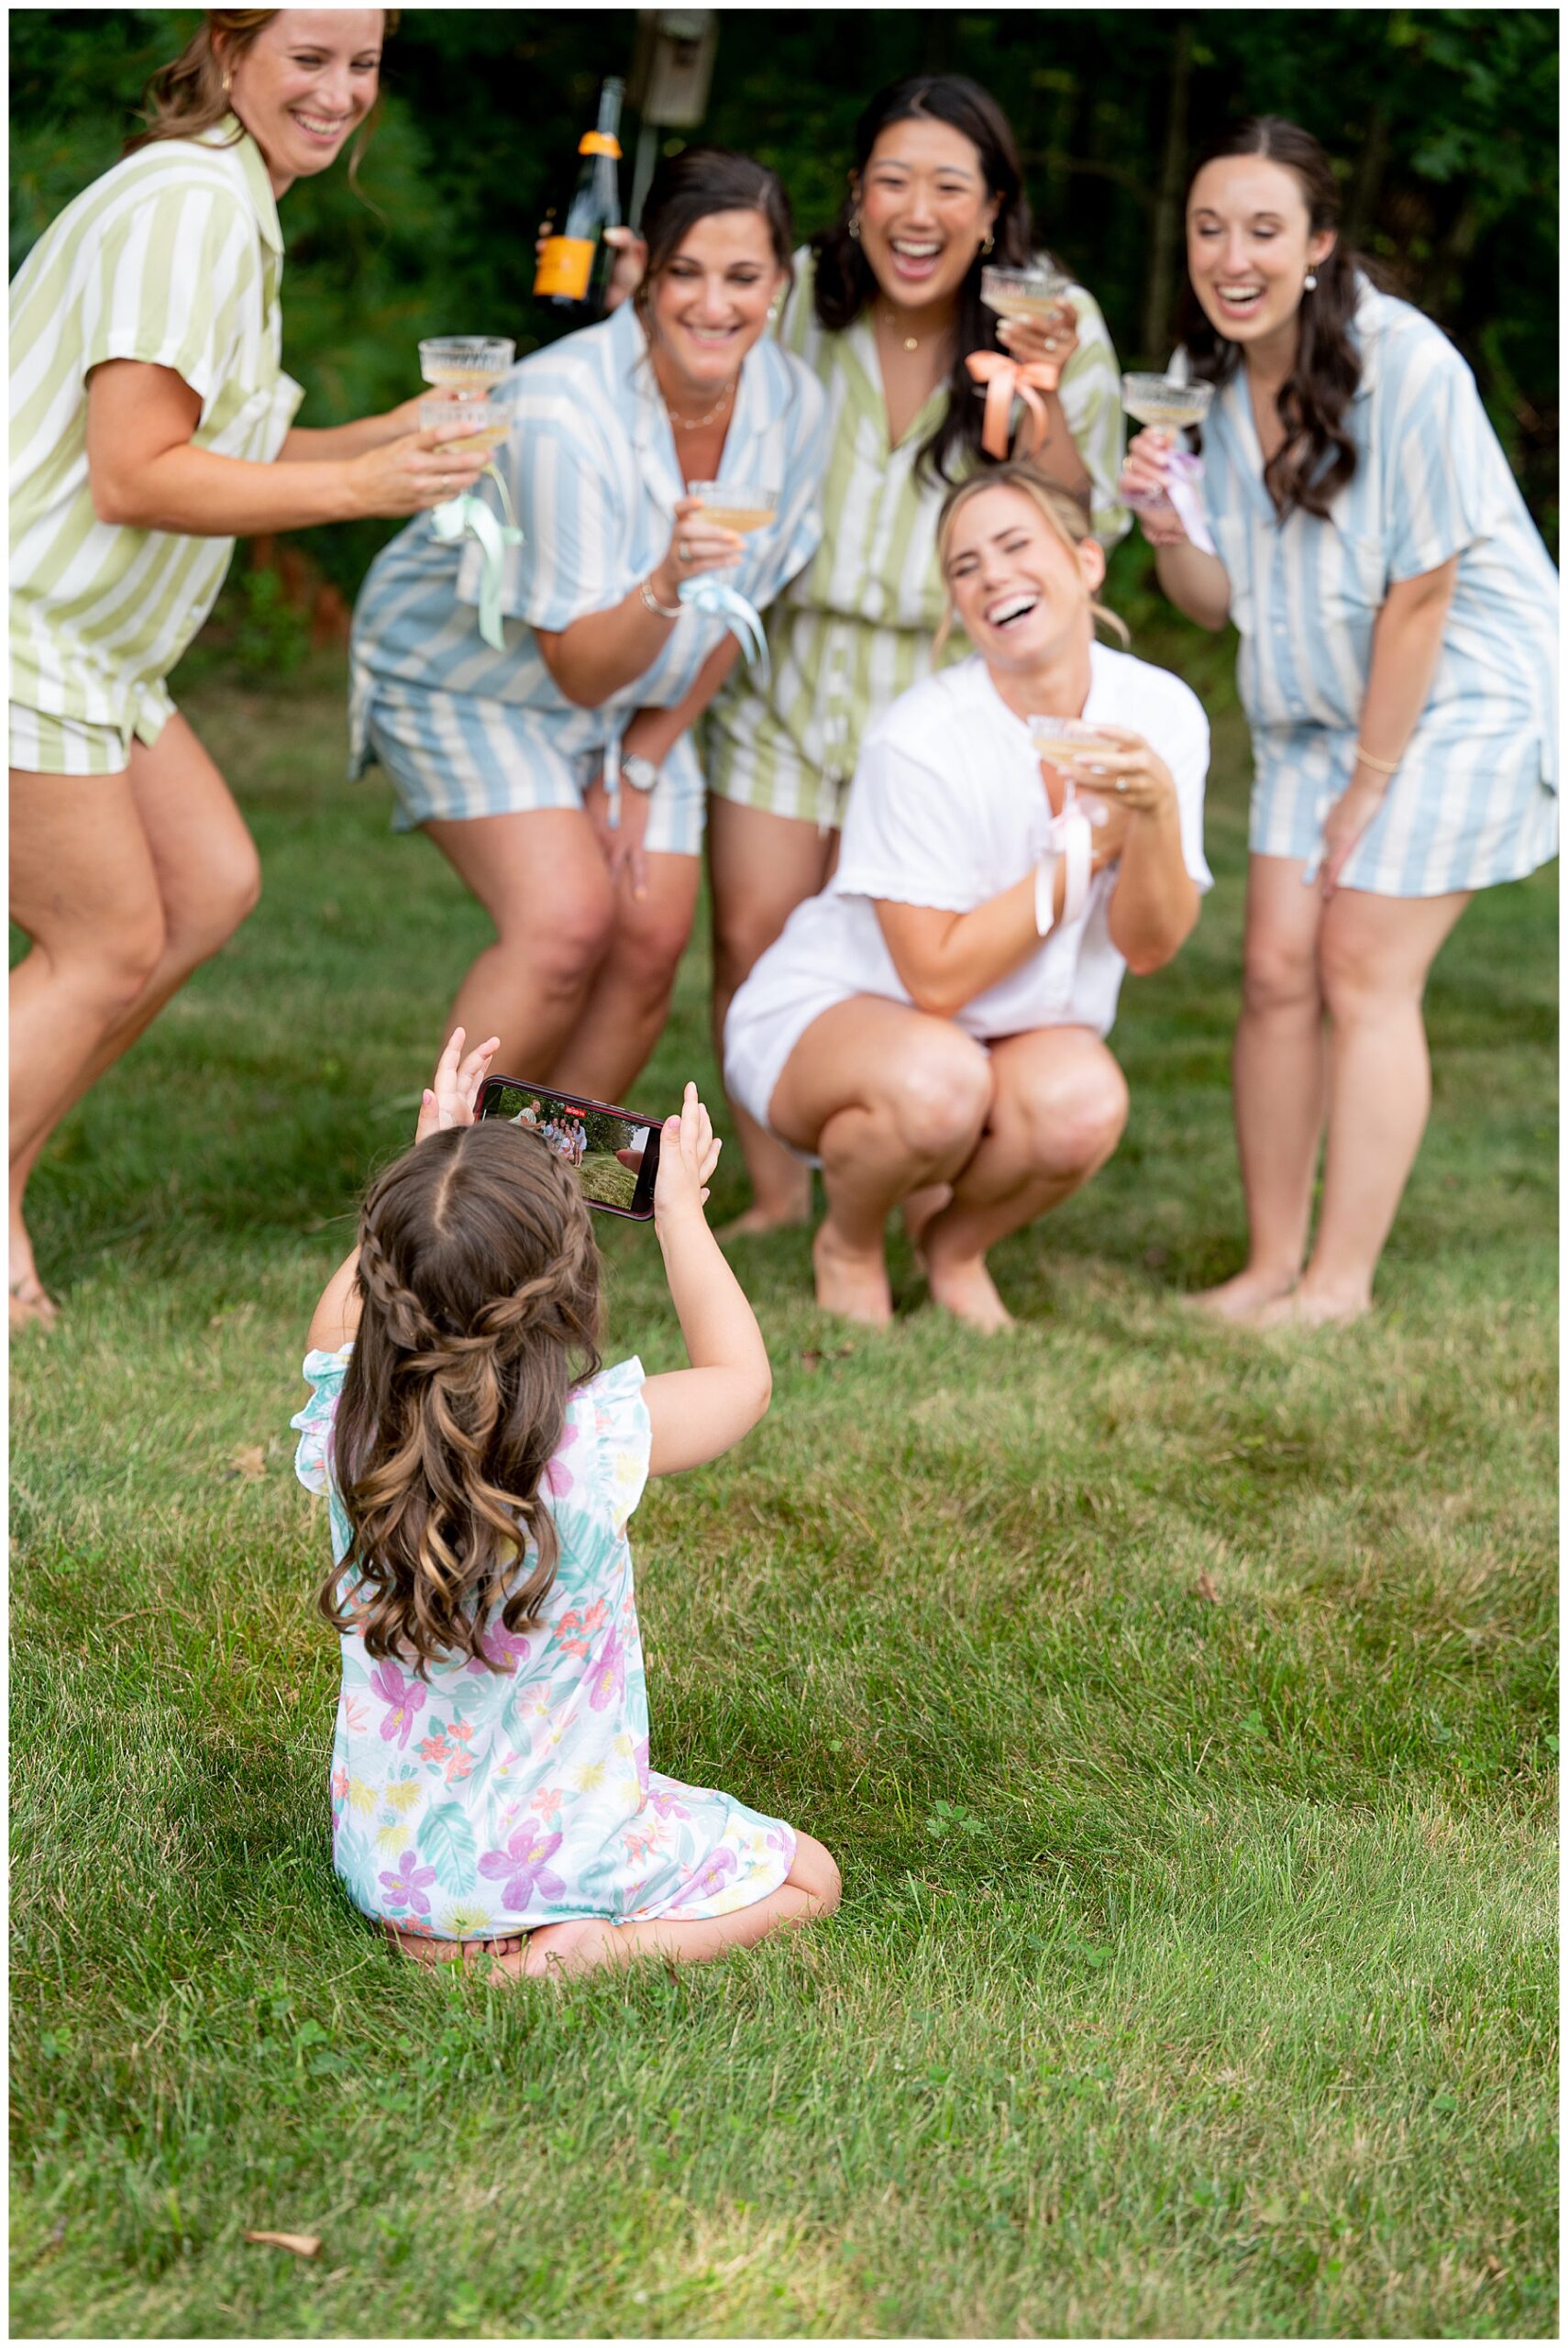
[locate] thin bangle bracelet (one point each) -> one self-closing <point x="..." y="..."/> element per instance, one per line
<point x="1378" y="766"/>
<point x="665" y="611"/>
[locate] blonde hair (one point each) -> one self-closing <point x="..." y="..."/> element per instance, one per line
<point x="1059" y="508"/>
<point x="191" y="95"/>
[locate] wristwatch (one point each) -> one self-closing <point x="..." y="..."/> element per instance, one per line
<point x="640" y="773"/>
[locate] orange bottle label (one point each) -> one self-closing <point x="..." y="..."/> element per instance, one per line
<point x="599" y="142"/>
<point x="564" y="266"/>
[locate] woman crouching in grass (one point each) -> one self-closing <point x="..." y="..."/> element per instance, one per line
<point x="932" y="1025"/>
<point x="491" y="1787"/>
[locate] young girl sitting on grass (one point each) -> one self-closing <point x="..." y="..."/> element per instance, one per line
<point x="490" y="1771"/>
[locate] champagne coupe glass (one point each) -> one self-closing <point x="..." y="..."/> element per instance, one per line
<point x="736" y="505"/>
<point x="1050" y="736"/>
<point x="470" y="363"/>
<point x="1030" y="292"/>
<point x="486" y="426"/>
<point x="1164" y="404"/>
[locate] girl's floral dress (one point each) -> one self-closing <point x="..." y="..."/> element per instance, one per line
<point x="476" y="1800"/>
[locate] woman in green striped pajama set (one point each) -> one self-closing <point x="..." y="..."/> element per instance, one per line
<point x="150" y="424"/>
<point x="884" y="310"/>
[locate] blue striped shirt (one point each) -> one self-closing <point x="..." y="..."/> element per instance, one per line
<point x="1430" y="482"/>
<point x="591" y="465"/>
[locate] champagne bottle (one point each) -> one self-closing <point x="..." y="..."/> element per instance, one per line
<point x="574" y="267"/>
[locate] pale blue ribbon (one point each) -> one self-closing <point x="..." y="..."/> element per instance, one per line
<point x="469" y="517"/>
<point x="724" y="603"/>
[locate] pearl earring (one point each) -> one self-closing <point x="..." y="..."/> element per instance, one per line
<point x="1310" y="280"/>
<point x="854" y="225"/>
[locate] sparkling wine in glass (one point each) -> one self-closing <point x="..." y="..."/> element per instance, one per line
<point x="470" y="363"/>
<point x="1031" y="292"/>
<point x="486" y="425"/>
<point x="1164" y="404"/>
<point x="735" y="507"/>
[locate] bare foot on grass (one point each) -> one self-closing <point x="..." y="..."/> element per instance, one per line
<point x="582" y="1947"/>
<point x="31" y="1305"/>
<point x="506" y="1956"/>
<point x="967" y="1290"/>
<point x="851" y="1283"/>
<point x="1244" y="1296"/>
<point x="1309" y="1309"/>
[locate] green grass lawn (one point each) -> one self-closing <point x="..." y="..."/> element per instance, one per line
<point x="1179" y="1705"/>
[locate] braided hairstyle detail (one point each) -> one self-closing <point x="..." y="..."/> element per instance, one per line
<point x="480" y="1283"/>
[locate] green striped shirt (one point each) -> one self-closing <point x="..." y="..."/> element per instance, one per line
<point x="175" y="258"/>
<point x="854" y="630"/>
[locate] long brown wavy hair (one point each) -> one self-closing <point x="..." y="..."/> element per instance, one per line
<point x="1317" y="456"/>
<point x="479" y="1282"/>
<point x="186" y="98"/>
<point x="846" y="283"/>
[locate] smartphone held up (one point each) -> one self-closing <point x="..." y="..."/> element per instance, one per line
<point x="612" y="1152"/>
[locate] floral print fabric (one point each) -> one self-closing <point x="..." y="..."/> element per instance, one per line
<point x="483" y="1798"/>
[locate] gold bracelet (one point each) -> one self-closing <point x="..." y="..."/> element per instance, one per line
<point x="1378" y="766"/>
<point x="665" y="611"/>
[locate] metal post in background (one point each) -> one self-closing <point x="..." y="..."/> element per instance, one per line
<point x="672" y="72"/>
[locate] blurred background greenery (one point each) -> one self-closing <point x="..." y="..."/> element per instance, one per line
<point x="1443" y="123"/>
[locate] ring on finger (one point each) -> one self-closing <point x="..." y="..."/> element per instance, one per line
<point x="684" y="550"/>
<point x="1122" y="783"/>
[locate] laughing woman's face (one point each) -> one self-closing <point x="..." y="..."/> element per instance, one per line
<point x="1021" y="591"/>
<point x="710" y="305"/>
<point x="924" y="211"/>
<point x="1250" y="245"/>
<point x="304" y="83"/>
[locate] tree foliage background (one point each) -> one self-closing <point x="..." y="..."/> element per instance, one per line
<point x="1443" y="123"/>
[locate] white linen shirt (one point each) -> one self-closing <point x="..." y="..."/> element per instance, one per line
<point x="949" y="810"/>
<point x="591" y="469"/>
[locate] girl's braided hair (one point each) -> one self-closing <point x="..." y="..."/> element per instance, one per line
<point x="479" y="1282"/>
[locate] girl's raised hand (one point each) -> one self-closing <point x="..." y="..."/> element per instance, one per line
<point x="454" y="1096"/>
<point x="687" y="1157"/>
<point x="1050" y="341"/>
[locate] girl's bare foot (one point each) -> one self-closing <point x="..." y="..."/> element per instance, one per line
<point x="581" y="1946"/>
<point x="1309" y="1307"/>
<point x="852" y="1282"/>
<point x="922" y="1206"/>
<point x="970" y="1293"/>
<point x="1242" y="1297"/>
<point x="506" y="1955"/>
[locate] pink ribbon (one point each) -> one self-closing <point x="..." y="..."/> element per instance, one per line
<point x="1183" y="473"/>
<point x="1005" y="379"/>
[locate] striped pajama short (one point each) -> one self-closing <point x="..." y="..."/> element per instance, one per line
<point x="451" y="759"/>
<point x="44" y="744"/>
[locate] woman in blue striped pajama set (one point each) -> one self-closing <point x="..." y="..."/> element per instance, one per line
<point x="513" y="762"/>
<point x="1397" y="617"/>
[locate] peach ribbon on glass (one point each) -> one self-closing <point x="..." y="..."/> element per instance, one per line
<point x="1004" y="379"/>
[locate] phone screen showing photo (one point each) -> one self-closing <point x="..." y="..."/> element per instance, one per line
<point x="614" y="1154"/>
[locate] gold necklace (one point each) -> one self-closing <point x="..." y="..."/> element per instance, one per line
<point x="695" y="423"/>
<point x="911" y="341"/>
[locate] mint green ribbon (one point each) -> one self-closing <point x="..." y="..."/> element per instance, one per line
<point x="469" y="517"/>
<point x="724" y="603"/>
